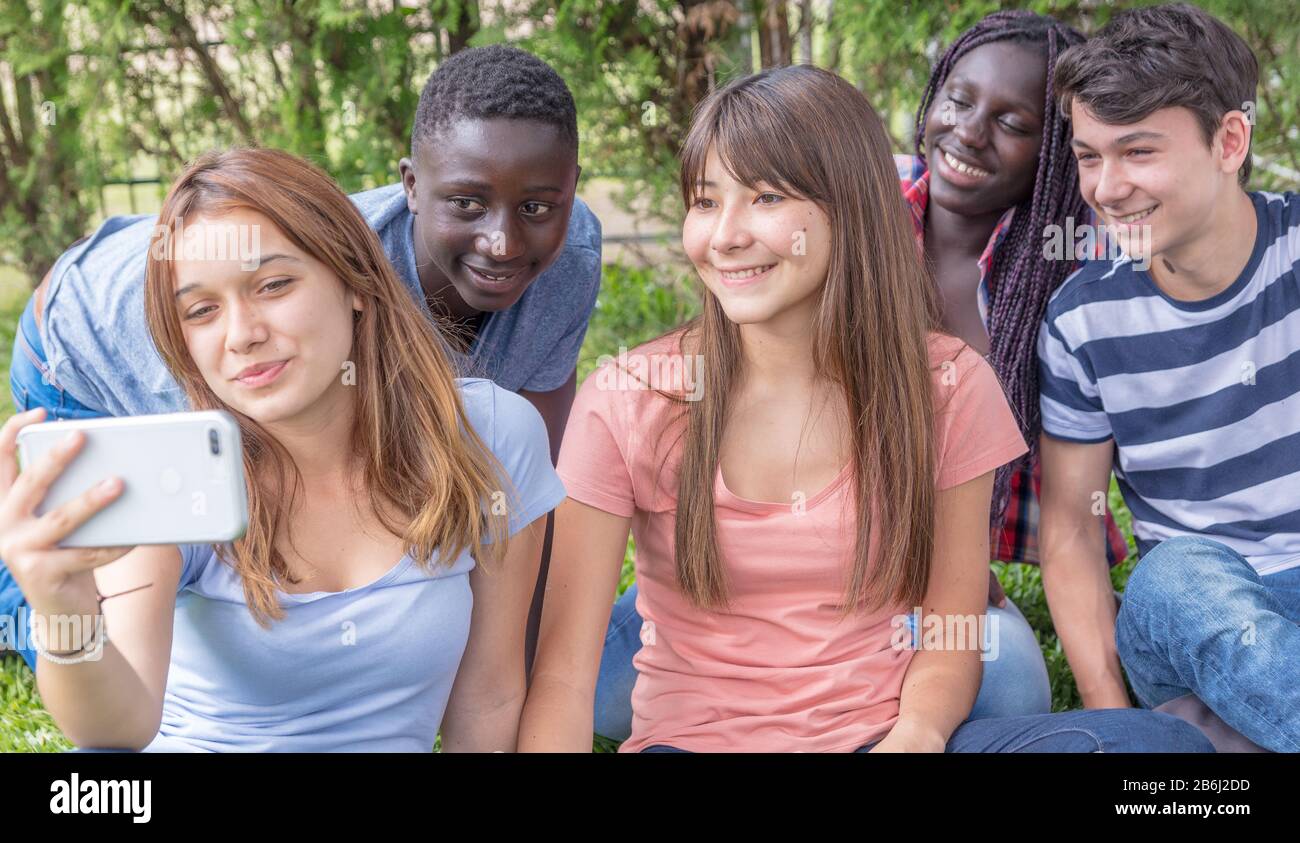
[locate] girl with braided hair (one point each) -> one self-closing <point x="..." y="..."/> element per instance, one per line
<point x="993" y="170"/>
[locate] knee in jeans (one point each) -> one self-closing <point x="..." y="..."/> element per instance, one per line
<point x="1181" y="565"/>
<point x="1015" y="681"/>
<point x="1161" y="567"/>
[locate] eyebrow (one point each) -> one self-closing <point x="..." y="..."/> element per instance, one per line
<point x="484" y="187"/>
<point x="261" y="263"/>
<point x="1123" y="140"/>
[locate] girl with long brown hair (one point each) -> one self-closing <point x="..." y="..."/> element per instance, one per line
<point x="375" y="598"/>
<point x="812" y="532"/>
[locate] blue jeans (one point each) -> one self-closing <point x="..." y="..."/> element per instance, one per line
<point x="33" y="386"/>
<point x="1097" y="730"/>
<point x="1197" y="619"/>
<point x="1015" y="682"/>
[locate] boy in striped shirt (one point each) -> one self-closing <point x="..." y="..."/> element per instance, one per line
<point x="1183" y="377"/>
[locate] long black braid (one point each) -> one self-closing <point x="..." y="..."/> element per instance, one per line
<point x="1021" y="279"/>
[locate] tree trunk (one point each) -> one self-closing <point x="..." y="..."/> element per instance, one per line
<point x="183" y="33"/>
<point x="833" y="38"/>
<point x="465" y="26"/>
<point x="704" y="24"/>
<point x="806" y="31"/>
<point x="44" y="180"/>
<point x="773" y="19"/>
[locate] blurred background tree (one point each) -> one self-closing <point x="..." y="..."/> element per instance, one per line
<point x="109" y="93"/>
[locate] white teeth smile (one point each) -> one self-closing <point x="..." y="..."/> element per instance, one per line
<point x="964" y="169"/>
<point x="1140" y="215"/>
<point x="741" y="275"/>
<point x="492" y="277"/>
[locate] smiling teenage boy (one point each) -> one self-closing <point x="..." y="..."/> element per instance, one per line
<point x="1184" y="378"/>
<point x="484" y="228"/>
<point x="487" y="221"/>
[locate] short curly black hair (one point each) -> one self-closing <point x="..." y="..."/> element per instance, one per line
<point x="482" y="83"/>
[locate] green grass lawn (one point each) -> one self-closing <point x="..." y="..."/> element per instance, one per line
<point x="635" y="305"/>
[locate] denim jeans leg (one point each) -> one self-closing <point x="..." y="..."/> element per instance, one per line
<point x="13" y="612"/>
<point x="1285" y="588"/>
<point x="1102" y="730"/>
<point x="1096" y="730"/>
<point x="1196" y="618"/>
<point x="31" y="380"/>
<point x="613" y="709"/>
<point x="1015" y="681"/>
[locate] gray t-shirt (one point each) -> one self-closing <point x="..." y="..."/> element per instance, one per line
<point x="99" y="349"/>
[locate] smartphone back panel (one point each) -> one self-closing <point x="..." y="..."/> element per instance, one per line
<point x="183" y="476"/>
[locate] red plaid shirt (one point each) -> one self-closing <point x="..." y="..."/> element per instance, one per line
<point x="1017" y="541"/>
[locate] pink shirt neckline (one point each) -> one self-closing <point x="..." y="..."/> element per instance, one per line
<point x="722" y="494"/>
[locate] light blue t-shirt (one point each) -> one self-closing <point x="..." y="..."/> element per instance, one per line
<point x="97" y="341"/>
<point x="367" y="669"/>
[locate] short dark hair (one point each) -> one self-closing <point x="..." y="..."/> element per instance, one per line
<point x="482" y="83"/>
<point x="1156" y="57"/>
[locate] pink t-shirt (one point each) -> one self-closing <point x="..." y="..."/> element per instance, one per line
<point x="777" y="671"/>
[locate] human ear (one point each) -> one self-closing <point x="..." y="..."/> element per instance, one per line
<point x="406" y="169"/>
<point x="1234" y="135"/>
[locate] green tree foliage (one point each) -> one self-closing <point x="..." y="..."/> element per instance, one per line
<point x="44" y="166"/>
<point x="107" y="90"/>
<point x="110" y="89"/>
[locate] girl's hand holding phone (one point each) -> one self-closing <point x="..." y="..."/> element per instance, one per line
<point x="54" y="579"/>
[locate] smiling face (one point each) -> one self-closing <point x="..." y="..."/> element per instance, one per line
<point x="984" y="130"/>
<point x="492" y="200"/>
<point x="270" y="341"/>
<point x="761" y="252"/>
<point x="1157" y="172"/>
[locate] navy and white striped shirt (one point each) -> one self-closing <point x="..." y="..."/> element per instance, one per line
<point x="1202" y="398"/>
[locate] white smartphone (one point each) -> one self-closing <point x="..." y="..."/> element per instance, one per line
<point x="183" y="477"/>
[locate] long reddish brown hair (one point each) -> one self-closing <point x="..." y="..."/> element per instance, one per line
<point x="425" y="471"/>
<point x="808" y="132"/>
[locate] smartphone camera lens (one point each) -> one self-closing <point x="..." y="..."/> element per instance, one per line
<point x="214" y="443"/>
